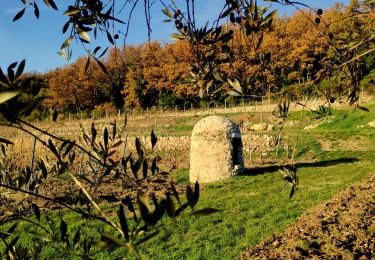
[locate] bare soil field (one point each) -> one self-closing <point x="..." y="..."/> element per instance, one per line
<point x="342" y="227"/>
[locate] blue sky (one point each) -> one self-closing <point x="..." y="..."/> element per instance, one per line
<point x="38" y="41"/>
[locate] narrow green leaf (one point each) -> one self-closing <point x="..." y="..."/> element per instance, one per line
<point x="52" y="4"/>
<point x="20" y="69"/>
<point x="154" y="167"/>
<point x="66" y="27"/>
<point x="87" y="63"/>
<point x="96" y="50"/>
<point x="72" y="12"/>
<point x="116" y="144"/>
<point x="72" y="156"/>
<point x="292" y="192"/>
<point x="124" y="161"/>
<point x="145" y="169"/>
<point x="270" y="16"/>
<point x="63" y="230"/>
<point x="101" y="65"/>
<point x="143" y="201"/>
<point x="114" y="130"/>
<point x="175" y="193"/>
<point x="63" y="54"/>
<point x="103" y="53"/>
<point x="11" y="71"/>
<point x="196" y="192"/>
<point x="84" y="35"/>
<point x="181" y="209"/>
<point x="252" y="6"/>
<point x="167" y="12"/>
<point x="93" y="133"/>
<point x="46" y="2"/>
<point x="19" y="15"/>
<point x="7" y="95"/>
<point x="108" y="12"/>
<point x="36" y="10"/>
<point x="11" y="245"/>
<point x="105" y="138"/>
<point x="177" y="36"/>
<point x="3" y="78"/>
<point x="236" y="85"/>
<point x="109" y="37"/>
<point x="123" y="222"/>
<point x="154" y="139"/>
<point x="55" y="114"/>
<point x="140" y="147"/>
<point x="115" y="19"/>
<point x="227" y="12"/>
<point x="67" y="42"/>
<point x="155" y="201"/>
<point x="53" y="148"/>
<point x="135" y="166"/>
<point x="110" y="154"/>
<point x="82" y="177"/>
<point x="43" y="168"/>
<point x="12" y="228"/>
<point x="171" y="209"/>
<point x="128" y="202"/>
<point x="108" y="170"/>
<point x="77" y="238"/>
<point x="260" y="40"/>
<point x="363" y="108"/>
<point x="36" y="211"/>
<point x="190" y="196"/>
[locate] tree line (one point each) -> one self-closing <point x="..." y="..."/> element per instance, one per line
<point x="294" y="50"/>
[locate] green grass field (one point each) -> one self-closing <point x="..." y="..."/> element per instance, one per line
<point x="329" y="158"/>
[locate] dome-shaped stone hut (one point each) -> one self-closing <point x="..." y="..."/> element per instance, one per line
<point x="215" y="150"/>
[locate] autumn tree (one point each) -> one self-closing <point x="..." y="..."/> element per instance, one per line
<point x="73" y="89"/>
<point x="28" y="103"/>
<point x="114" y="79"/>
<point x="264" y="60"/>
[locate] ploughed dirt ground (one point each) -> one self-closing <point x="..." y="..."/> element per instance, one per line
<point x="340" y="228"/>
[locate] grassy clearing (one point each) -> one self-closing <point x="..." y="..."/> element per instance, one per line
<point x="252" y="207"/>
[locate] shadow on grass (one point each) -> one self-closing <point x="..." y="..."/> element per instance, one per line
<point x="273" y="168"/>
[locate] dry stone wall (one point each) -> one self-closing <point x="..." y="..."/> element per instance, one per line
<point x="172" y="143"/>
<point x="182" y="143"/>
<point x="263" y="143"/>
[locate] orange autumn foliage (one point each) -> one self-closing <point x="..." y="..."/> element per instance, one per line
<point x="293" y="50"/>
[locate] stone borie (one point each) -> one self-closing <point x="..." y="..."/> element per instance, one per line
<point x="215" y="150"/>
